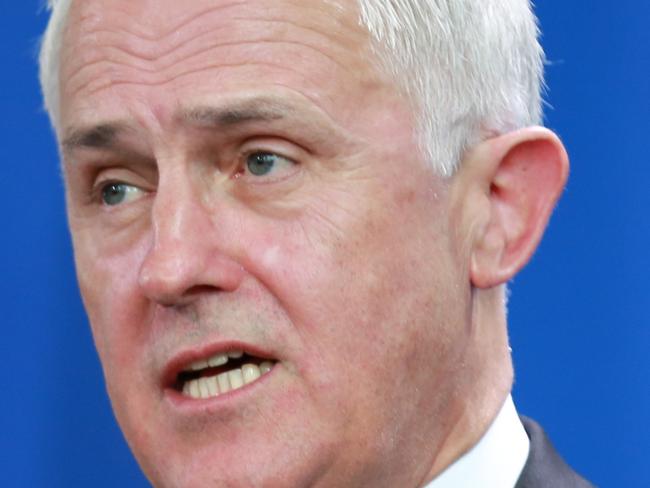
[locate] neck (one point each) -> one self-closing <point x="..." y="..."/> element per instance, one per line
<point x="488" y="379"/>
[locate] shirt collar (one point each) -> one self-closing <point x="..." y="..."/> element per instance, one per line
<point x="496" y="461"/>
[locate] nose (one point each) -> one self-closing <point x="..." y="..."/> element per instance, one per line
<point x="188" y="253"/>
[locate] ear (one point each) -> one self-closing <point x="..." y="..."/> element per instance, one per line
<point x="512" y="183"/>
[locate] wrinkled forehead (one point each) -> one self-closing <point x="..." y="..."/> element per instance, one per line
<point x="147" y="42"/>
<point x="161" y="20"/>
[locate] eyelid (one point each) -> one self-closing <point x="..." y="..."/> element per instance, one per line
<point x="117" y="174"/>
<point x="280" y="147"/>
<point x="114" y="176"/>
<point x="280" y="155"/>
<point x="276" y="145"/>
<point x="97" y="191"/>
<point x="243" y="173"/>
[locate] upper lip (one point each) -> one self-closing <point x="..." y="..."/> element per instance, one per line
<point x="184" y="358"/>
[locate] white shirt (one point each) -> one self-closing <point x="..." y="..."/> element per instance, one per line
<point x="496" y="461"/>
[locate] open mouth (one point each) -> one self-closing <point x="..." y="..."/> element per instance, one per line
<point x="220" y="373"/>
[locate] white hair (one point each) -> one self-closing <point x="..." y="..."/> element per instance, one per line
<point x="470" y="68"/>
<point x="49" y="59"/>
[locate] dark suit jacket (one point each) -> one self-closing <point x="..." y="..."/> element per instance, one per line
<point x="544" y="467"/>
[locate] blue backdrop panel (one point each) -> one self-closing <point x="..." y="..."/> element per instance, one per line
<point x="579" y="313"/>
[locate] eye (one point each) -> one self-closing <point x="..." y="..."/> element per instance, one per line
<point x="116" y="193"/>
<point x="265" y="163"/>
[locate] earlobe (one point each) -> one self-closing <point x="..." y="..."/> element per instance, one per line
<point x="523" y="175"/>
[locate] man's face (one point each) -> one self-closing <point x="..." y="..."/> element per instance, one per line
<point x="240" y="178"/>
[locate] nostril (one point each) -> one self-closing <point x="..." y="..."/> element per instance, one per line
<point x="199" y="290"/>
<point x="168" y="272"/>
<point x="175" y="271"/>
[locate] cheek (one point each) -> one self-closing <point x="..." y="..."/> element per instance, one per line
<point x="363" y="279"/>
<point x="376" y="299"/>
<point x="108" y="282"/>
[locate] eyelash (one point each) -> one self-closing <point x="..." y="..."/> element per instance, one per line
<point x="98" y="188"/>
<point x="96" y="195"/>
<point x="243" y="171"/>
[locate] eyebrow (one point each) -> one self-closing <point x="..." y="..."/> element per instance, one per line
<point x="304" y="122"/>
<point x="238" y="113"/>
<point x="100" y="136"/>
<point x="109" y="135"/>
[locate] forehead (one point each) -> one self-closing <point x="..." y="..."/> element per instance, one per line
<point x="162" y="18"/>
<point x="154" y="51"/>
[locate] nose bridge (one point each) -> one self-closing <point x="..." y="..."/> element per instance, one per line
<point x="185" y="252"/>
<point x="176" y="211"/>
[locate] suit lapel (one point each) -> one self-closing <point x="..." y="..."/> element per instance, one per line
<point x="544" y="467"/>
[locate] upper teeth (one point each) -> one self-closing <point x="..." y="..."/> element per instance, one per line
<point x="214" y="361"/>
<point x="211" y="386"/>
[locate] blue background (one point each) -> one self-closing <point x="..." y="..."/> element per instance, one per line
<point x="579" y="313"/>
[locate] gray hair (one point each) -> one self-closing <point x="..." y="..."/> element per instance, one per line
<point x="49" y="58"/>
<point x="471" y="68"/>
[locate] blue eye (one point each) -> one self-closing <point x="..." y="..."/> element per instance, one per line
<point x="263" y="163"/>
<point x="117" y="193"/>
<point x="260" y="164"/>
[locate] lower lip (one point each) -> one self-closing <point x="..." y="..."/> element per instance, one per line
<point x="190" y="405"/>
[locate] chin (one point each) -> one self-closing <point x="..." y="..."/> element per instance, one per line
<point x="234" y="467"/>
